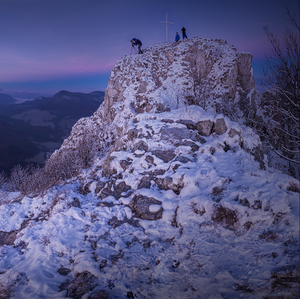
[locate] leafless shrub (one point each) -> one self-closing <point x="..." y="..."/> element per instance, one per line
<point x="190" y="100"/>
<point x="60" y="166"/>
<point x="4" y="198"/>
<point x="3" y="193"/>
<point x="25" y="179"/>
<point x="67" y="163"/>
<point x="33" y="181"/>
<point x="86" y="150"/>
<point x="3" y="178"/>
<point x="18" y="176"/>
<point x="281" y="129"/>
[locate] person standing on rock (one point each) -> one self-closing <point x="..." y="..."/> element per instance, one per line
<point x="137" y="42"/>
<point x="177" y="37"/>
<point x="183" y="30"/>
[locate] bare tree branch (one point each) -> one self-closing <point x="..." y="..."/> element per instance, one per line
<point x="281" y="126"/>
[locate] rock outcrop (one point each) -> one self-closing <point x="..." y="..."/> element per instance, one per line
<point x="207" y="73"/>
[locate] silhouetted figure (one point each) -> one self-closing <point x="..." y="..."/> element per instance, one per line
<point x="137" y="42"/>
<point x="183" y="30"/>
<point x="177" y="37"/>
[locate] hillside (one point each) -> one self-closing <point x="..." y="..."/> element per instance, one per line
<point x="178" y="201"/>
<point x="6" y="99"/>
<point x="29" y="131"/>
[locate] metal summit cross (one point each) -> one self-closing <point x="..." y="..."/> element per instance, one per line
<point x="166" y="25"/>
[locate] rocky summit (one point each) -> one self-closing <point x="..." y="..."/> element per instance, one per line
<point x="178" y="200"/>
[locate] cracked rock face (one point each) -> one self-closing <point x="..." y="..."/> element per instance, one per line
<point x="202" y="65"/>
<point x="246" y="77"/>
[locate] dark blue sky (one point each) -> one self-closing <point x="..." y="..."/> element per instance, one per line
<point x="50" y="45"/>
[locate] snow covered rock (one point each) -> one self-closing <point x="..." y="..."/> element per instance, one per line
<point x="208" y="73"/>
<point x="177" y="202"/>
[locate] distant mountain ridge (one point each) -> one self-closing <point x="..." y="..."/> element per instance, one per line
<point x="30" y="130"/>
<point x="6" y="99"/>
<point x="73" y="103"/>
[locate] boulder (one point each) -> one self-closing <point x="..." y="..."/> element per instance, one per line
<point x="220" y="126"/>
<point x="145" y="183"/>
<point x="167" y="184"/>
<point x="204" y="127"/>
<point x="63" y="271"/>
<point x="114" y="190"/>
<point x="125" y="163"/>
<point x="233" y="132"/>
<point x="140" y="205"/>
<point x="166" y="156"/>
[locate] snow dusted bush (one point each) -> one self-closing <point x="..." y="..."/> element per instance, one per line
<point x="2" y="178"/>
<point x="278" y="122"/>
<point x="65" y="164"/>
<point x="25" y="179"/>
<point x="3" y="195"/>
<point x="60" y="166"/>
<point x="85" y="152"/>
<point x="18" y="176"/>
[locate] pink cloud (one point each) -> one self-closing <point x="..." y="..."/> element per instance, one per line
<point x="16" y="67"/>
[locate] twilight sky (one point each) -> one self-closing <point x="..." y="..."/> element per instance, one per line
<point x="50" y="45"/>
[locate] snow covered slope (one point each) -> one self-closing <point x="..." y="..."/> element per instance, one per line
<point x="179" y="202"/>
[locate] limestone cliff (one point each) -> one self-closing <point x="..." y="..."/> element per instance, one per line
<point x="207" y="73"/>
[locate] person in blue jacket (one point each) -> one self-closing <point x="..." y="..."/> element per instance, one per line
<point x="177" y="37"/>
<point x="137" y="42"/>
